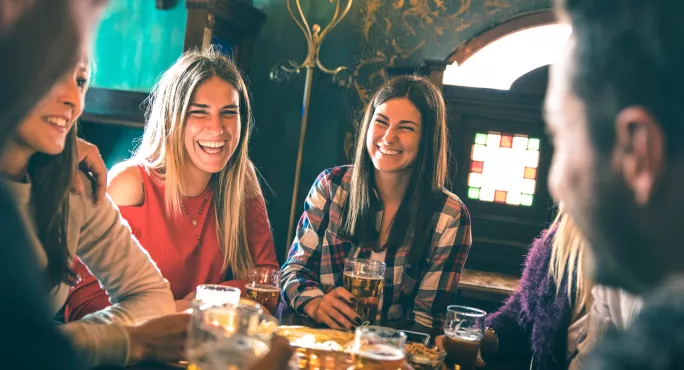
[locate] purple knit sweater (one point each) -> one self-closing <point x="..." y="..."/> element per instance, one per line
<point x="534" y="321"/>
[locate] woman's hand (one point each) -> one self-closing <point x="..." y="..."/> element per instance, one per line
<point x="91" y="162"/>
<point x="159" y="340"/>
<point x="190" y="296"/>
<point x="277" y="358"/>
<point x="439" y="342"/>
<point x="334" y="309"/>
<point x="183" y="305"/>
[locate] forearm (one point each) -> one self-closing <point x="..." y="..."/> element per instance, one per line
<point x="99" y="344"/>
<point x="135" y="286"/>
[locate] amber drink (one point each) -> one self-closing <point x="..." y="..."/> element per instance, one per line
<point x="378" y="348"/>
<point x="463" y="332"/>
<point x="364" y="279"/>
<point x="263" y="286"/>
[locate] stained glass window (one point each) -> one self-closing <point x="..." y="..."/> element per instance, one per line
<point x="503" y="168"/>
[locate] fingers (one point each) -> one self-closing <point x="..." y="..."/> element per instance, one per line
<point x="348" y="313"/>
<point x="439" y="342"/>
<point x="182" y="305"/>
<point x="90" y="159"/>
<point x="77" y="186"/>
<point x="479" y="362"/>
<point x="344" y="295"/>
<point x="333" y="318"/>
<point x="338" y="310"/>
<point x="280" y="347"/>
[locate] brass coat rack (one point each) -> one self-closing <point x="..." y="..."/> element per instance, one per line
<point x="287" y="70"/>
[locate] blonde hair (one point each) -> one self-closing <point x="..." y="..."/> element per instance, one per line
<point x="567" y="263"/>
<point x="163" y="151"/>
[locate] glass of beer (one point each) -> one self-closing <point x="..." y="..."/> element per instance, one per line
<point x="463" y="331"/>
<point x="364" y="279"/>
<point x="226" y="336"/>
<point x="263" y="286"/>
<point x="378" y="348"/>
<point x="217" y="294"/>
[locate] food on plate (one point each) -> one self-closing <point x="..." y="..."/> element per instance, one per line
<point x="422" y="357"/>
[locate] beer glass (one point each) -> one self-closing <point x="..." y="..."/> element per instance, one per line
<point x="217" y="294"/>
<point x="463" y="331"/>
<point x="225" y="336"/>
<point x="364" y="279"/>
<point x="263" y="286"/>
<point x="378" y="348"/>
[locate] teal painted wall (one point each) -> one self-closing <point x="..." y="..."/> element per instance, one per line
<point x="136" y="42"/>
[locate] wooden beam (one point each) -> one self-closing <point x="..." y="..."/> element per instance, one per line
<point x="165" y="4"/>
<point x="115" y="107"/>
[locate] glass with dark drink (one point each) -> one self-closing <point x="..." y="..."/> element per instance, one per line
<point x="364" y="279"/>
<point x="263" y="286"/>
<point x="378" y="348"/>
<point x="463" y="331"/>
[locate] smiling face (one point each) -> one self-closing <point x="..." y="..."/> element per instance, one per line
<point x="213" y="127"/>
<point x="393" y="138"/>
<point x="45" y="128"/>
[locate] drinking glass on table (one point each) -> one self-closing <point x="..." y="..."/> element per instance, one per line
<point x="378" y="348"/>
<point x="226" y="336"/>
<point x="463" y="332"/>
<point x="217" y="294"/>
<point x="263" y="286"/>
<point x="364" y="279"/>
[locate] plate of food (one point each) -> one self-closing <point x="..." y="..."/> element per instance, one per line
<point x="318" y="348"/>
<point x="422" y="357"/>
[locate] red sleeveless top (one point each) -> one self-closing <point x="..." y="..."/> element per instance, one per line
<point x="172" y="244"/>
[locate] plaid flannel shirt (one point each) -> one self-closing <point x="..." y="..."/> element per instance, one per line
<point x="315" y="263"/>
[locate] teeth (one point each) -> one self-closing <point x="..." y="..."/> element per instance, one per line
<point x="387" y="151"/>
<point x="57" y="121"/>
<point x="212" y="144"/>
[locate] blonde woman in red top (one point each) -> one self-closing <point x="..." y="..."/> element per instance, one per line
<point x="190" y="192"/>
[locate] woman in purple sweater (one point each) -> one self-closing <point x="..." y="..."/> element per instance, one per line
<point x="544" y="319"/>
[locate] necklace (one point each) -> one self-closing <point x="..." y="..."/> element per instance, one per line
<point x="194" y="220"/>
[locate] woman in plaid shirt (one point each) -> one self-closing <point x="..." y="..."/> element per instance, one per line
<point x="391" y="205"/>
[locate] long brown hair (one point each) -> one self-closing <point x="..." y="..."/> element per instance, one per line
<point x="429" y="177"/>
<point x="162" y="149"/>
<point x="51" y="177"/>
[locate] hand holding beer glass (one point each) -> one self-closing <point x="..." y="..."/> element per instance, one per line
<point x="364" y="279"/>
<point x="463" y="331"/>
<point x="263" y="286"/>
<point x="228" y="336"/>
<point x="378" y="348"/>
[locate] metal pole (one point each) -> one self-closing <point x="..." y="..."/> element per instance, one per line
<point x="287" y="70"/>
<point x="300" y="152"/>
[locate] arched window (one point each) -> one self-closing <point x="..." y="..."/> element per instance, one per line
<point x="500" y="62"/>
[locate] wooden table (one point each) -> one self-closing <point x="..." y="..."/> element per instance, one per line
<point x="287" y="316"/>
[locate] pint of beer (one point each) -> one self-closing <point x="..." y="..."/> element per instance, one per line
<point x="263" y="286"/>
<point x="378" y="348"/>
<point x="364" y="279"/>
<point x="227" y="336"/>
<point x="463" y="331"/>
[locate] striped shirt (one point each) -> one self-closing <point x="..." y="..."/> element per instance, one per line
<point x="315" y="263"/>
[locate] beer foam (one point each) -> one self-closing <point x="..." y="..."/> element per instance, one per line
<point x="263" y="288"/>
<point x="382" y="353"/>
<point x="464" y="335"/>
<point x="363" y="276"/>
